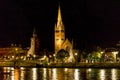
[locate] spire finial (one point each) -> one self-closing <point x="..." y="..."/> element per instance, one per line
<point x="34" y="32"/>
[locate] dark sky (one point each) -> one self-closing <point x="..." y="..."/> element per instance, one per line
<point x="88" y="22"/>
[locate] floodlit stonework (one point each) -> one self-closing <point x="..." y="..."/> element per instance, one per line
<point x="34" y="47"/>
<point x="60" y="41"/>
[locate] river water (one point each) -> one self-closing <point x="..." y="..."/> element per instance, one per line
<point x="9" y="73"/>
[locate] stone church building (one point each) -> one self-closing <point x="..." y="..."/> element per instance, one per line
<point x="60" y="41"/>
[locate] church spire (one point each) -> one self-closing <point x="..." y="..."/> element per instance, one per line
<point x="59" y="14"/>
<point x="34" y="32"/>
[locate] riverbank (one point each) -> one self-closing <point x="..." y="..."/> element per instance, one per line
<point x="82" y="65"/>
<point x="60" y="65"/>
<point x="16" y="64"/>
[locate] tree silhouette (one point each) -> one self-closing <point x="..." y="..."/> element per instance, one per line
<point x="62" y="54"/>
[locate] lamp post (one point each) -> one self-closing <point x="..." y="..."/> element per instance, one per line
<point x="76" y="57"/>
<point x="101" y="58"/>
<point x="54" y="58"/>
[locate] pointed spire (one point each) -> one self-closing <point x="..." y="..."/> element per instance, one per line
<point x="59" y="14"/>
<point x="34" y="32"/>
<point x="72" y="43"/>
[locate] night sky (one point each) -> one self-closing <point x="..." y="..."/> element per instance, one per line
<point x="87" y="22"/>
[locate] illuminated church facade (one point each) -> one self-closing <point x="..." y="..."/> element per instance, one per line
<point x="60" y="42"/>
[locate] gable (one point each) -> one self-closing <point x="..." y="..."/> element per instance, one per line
<point x="66" y="44"/>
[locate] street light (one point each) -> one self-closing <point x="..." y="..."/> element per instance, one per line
<point x="101" y="52"/>
<point x="75" y="54"/>
<point x="76" y="57"/>
<point x="54" y="57"/>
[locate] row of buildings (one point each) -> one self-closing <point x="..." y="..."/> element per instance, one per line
<point x="60" y="42"/>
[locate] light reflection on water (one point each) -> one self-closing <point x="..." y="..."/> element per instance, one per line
<point x="34" y="74"/>
<point x="22" y="73"/>
<point x="9" y="73"/>
<point x="113" y="74"/>
<point x="54" y="74"/>
<point x="76" y="74"/>
<point x="102" y="74"/>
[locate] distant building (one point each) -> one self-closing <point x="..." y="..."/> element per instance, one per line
<point x="111" y="54"/>
<point x="60" y="41"/>
<point x="13" y="50"/>
<point x="34" y="47"/>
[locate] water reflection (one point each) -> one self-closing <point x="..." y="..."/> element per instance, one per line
<point x="16" y="74"/>
<point x="114" y="74"/>
<point x="22" y="73"/>
<point x="10" y="73"/>
<point x="102" y="74"/>
<point x="6" y="77"/>
<point x="54" y="74"/>
<point x="34" y="74"/>
<point x="6" y="69"/>
<point x="45" y="73"/>
<point x="88" y="73"/>
<point x="76" y="74"/>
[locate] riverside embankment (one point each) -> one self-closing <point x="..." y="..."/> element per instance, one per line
<point x="17" y="63"/>
<point x="85" y="65"/>
<point x="58" y="65"/>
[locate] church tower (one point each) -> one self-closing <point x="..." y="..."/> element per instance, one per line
<point x="59" y="32"/>
<point x="34" y="47"/>
<point x="60" y="41"/>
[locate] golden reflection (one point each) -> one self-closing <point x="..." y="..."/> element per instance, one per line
<point x="45" y="73"/>
<point x="88" y="73"/>
<point x="49" y="73"/>
<point x="66" y="69"/>
<point x="34" y="73"/>
<point x="12" y="74"/>
<point x="12" y="68"/>
<point x="89" y="70"/>
<point x="16" y="74"/>
<point x="54" y="76"/>
<point x="6" y="77"/>
<point x="102" y="74"/>
<point x="22" y="73"/>
<point x="22" y="68"/>
<point x="76" y="74"/>
<point x="114" y="74"/>
<point x="6" y="69"/>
